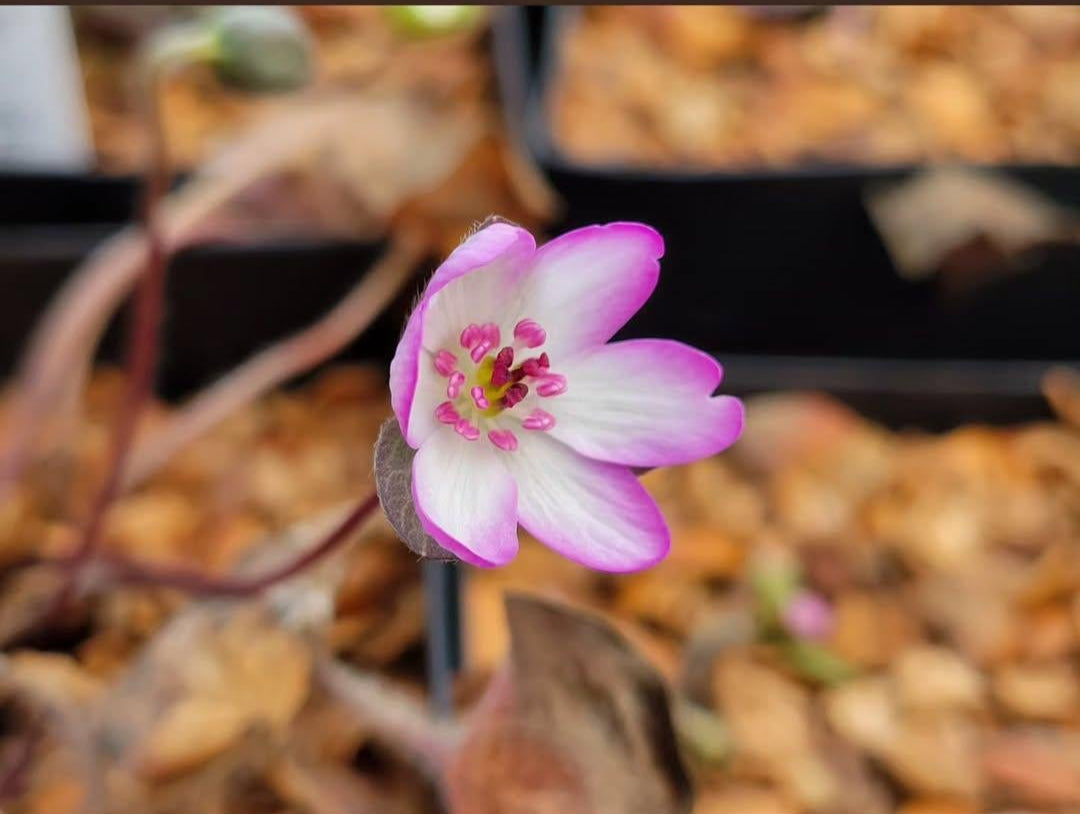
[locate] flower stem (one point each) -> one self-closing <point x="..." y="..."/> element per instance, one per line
<point x="141" y="356"/>
<point x="61" y="348"/>
<point x="16" y="762"/>
<point x="142" y="351"/>
<point x="283" y="360"/>
<point x="196" y="582"/>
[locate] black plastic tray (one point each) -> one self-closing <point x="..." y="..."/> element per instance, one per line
<point x="787" y="261"/>
<point x="57" y="198"/>
<point x="224" y="302"/>
<point x="776" y="319"/>
<point x="903" y="394"/>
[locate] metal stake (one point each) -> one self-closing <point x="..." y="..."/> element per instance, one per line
<point x="442" y="614"/>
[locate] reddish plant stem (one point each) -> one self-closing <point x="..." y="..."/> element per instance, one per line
<point x="142" y="355"/>
<point x="60" y="349"/>
<point x="17" y="761"/>
<point x="282" y="360"/>
<point x="191" y="581"/>
<point x="398" y="719"/>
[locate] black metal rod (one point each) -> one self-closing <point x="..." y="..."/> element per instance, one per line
<point x="442" y="612"/>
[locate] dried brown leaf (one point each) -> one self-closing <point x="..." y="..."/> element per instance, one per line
<point x="1036" y="769"/>
<point x="210" y="676"/>
<point x="1048" y="692"/>
<point x="52" y="678"/>
<point x="924" y="218"/>
<point x="580" y="722"/>
<point x="937" y="755"/>
<point x="864" y="712"/>
<point x="332" y="788"/>
<point x="1061" y="386"/>
<point x="936" y="678"/>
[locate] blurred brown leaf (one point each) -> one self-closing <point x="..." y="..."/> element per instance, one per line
<point x="1048" y="691"/>
<point x="1062" y="389"/>
<point x="578" y="723"/>
<point x="936" y="678"/>
<point x="925" y="218"/>
<point x="936" y="755"/>
<point x="864" y="712"/>
<point x="1036" y="768"/>
<point x="209" y="677"/>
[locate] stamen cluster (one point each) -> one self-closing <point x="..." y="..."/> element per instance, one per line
<point x="479" y="394"/>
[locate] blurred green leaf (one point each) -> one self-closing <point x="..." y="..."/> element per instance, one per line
<point x="774" y="586"/>
<point x="429" y="21"/>
<point x="816" y="662"/>
<point x="261" y="48"/>
<point x="703" y="733"/>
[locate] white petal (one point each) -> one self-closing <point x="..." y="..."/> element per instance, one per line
<point x="644" y="402"/>
<point x="586" y="284"/>
<point x="594" y="513"/>
<point x="465" y="498"/>
<point x="484" y="270"/>
<point x="488" y="293"/>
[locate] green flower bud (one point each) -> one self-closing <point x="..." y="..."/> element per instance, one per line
<point x="774" y="583"/>
<point x="260" y="48"/>
<point x="428" y="21"/>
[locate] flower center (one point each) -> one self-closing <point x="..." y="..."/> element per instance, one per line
<point x="482" y="387"/>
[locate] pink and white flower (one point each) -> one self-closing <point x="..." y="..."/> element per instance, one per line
<point x="521" y="412"/>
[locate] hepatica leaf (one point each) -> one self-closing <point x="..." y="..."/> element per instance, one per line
<point x="576" y="721"/>
<point x="393" y="480"/>
<point x="580" y="681"/>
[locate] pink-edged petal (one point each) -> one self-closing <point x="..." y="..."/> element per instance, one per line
<point x="586" y="284"/>
<point x="478" y="250"/>
<point x="594" y="513"/>
<point x="493" y="260"/>
<point x="645" y="402"/>
<point x="405" y="381"/>
<point x="479" y="283"/>
<point x="465" y="499"/>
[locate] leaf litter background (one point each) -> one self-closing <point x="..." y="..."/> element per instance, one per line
<point x="950" y="561"/>
<point x="948" y="681"/>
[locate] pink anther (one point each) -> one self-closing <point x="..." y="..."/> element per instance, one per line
<point x="470" y="336"/>
<point x="551" y="384"/>
<point x="478" y="398"/>
<point x="467" y="430"/>
<point x="503" y="439"/>
<point x="457" y="381"/>
<point x="446" y="413"/>
<point x="445" y="362"/>
<point x="529" y="333"/>
<point x="539" y="420"/>
<point x="487" y="342"/>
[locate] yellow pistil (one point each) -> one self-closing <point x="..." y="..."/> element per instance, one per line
<point x="491" y="393"/>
